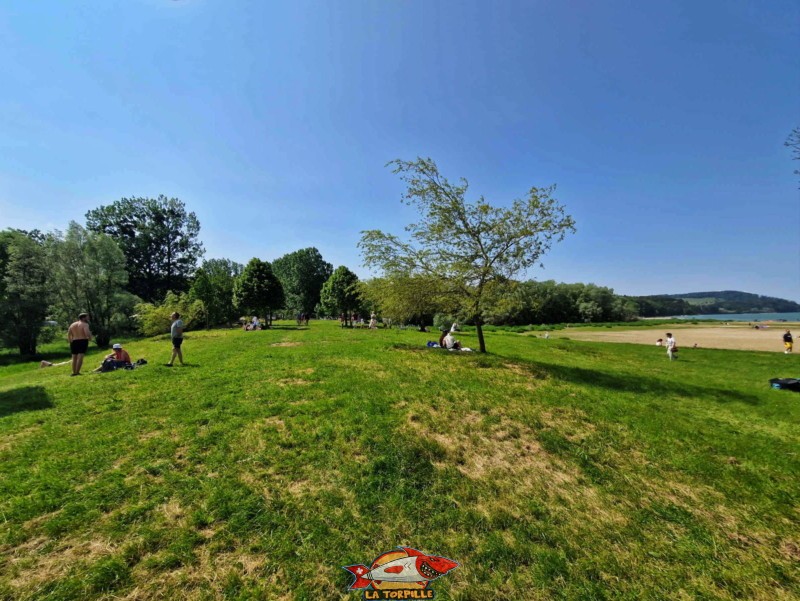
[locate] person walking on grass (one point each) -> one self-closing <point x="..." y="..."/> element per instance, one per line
<point x="672" y="347"/>
<point x="787" y="342"/>
<point x="78" y="336"/>
<point x="176" y="331"/>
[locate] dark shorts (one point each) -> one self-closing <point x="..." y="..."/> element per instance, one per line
<point x="177" y="342"/>
<point x="79" y="347"/>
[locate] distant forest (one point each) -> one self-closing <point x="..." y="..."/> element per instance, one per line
<point x="709" y="303"/>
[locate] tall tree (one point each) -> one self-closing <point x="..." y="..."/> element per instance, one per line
<point x="88" y="274"/>
<point x="258" y="290"/>
<point x="302" y="274"/>
<point x="24" y="290"/>
<point x="341" y="294"/>
<point x="473" y="249"/>
<point x="404" y="299"/>
<point x="159" y="239"/>
<point x="793" y="143"/>
<point x="213" y="284"/>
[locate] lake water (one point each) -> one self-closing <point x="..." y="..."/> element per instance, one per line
<point x="747" y="316"/>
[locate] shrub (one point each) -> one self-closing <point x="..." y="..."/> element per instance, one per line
<point x="154" y="319"/>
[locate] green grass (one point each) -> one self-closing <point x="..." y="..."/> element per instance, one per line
<point x="550" y="469"/>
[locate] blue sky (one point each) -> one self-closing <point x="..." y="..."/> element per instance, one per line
<point x="662" y="123"/>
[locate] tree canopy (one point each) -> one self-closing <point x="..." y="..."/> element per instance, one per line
<point x="88" y="274"/>
<point x="159" y="239"/>
<point x="213" y="285"/>
<point x="24" y="289"/>
<point x="472" y="249"/>
<point x="258" y="290"/>
<point x="341" y="294"/>
<point x="302" y="274"/>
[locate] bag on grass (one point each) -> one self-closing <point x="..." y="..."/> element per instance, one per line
<point x="108" y="365"/>
<point x="792" y="384"/>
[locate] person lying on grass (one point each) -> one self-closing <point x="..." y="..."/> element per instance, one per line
<point x="116" y="359"/>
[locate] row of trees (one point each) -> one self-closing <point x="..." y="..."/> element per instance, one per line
<point x="134" y="261"/>
<point x="57" y="275"/>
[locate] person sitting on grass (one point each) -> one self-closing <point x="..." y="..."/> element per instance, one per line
<point x="116" y="359"/>
<point x="450" y="342"/>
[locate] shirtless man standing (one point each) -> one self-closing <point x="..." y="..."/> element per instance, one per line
<point x="79" y="336"/>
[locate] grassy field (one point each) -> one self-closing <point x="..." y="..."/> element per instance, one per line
<point x="549" y="469"/>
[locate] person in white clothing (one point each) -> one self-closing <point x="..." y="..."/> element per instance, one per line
<point x="672" y="347"/>
<point x="450" y="342"/>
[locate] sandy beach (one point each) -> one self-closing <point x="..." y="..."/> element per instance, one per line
<point x="734" y="336"/>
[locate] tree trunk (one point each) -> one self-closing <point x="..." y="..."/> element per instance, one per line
<point x="481" y="342"/>
<point x="26" y="342"/>
<point x="102" y="338"/>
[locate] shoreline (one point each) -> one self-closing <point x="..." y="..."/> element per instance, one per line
<point x="730" y="337"/>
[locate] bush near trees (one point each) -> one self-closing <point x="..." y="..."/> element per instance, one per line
<point x="341" y="294"/>
<point x="24" y="289"/>
<point x="155" y="318"/>
<point x="159" y="239"/>
<point x="87" y="273"/>
<point x="472" y="250"/>
<point x="258" y="291"/>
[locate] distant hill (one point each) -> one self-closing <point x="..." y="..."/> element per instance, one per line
<point x="719" y="302"/>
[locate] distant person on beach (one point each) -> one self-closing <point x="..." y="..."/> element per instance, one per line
<point x="787" y="342"/>
<point x="660" y="342"/>
<point x="176" y="333"/>
<point x="79" y="336"/>
<point x="672" y="347"/>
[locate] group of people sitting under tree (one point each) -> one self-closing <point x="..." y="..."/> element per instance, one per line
<point x="253" y="324"/>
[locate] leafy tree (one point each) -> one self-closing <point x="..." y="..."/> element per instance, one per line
<point x="793" y="143"/>
<point x="24" y="290"/>
<point x="341" y="293"/>
<point x="258" y="290"/>
<point x="405" y="299"/>
<point x="159" y="239"/>
<point x="213" y="285"/>
<point x="88" y="274"/>
<point x="155" y="318"/>
<point x="302" y="274"/>
<point x="473" y="249"/>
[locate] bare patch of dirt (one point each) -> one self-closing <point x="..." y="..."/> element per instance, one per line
<point x="292" y="382"/>
<point x="10" y="440"/>
<point x="790" y="550"/>
<point x="55" y="564"/>
<point x="150" y="435"/>
<point x="286" y="343"/>
<point x="571" y="423"/>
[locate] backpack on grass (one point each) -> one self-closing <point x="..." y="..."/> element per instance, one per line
<point x="792" y="384"/>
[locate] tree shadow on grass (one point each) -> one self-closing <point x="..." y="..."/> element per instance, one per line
<point x="28" y="398"/>
<point x="646" y="385"/>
